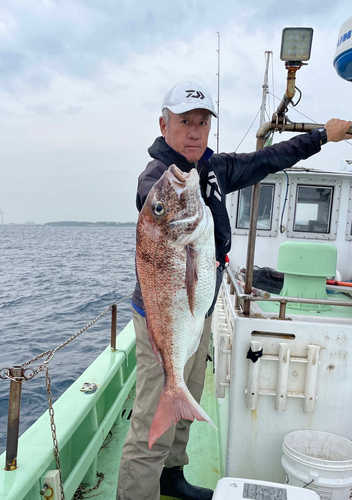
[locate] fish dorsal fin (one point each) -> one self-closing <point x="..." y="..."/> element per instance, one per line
<point x="191" y="275"/>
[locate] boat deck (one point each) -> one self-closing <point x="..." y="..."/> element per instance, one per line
<point x="203" y="443"/>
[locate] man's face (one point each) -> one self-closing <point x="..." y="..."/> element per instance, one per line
<point x="187" y="133"/>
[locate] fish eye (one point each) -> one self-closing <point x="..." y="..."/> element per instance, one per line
<point x="158" y="208"/>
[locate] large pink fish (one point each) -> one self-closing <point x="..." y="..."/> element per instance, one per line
<point x="176" y="269"/>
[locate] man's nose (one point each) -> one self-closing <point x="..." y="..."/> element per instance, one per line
<point x="194" y="132"/>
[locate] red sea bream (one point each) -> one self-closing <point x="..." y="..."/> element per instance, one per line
<point x="176" y="267"/>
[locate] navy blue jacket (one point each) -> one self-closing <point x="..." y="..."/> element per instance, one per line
<point x="224" y="173"/>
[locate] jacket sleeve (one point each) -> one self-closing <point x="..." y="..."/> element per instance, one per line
<point x="154" y="170"/>
<point x="245" y="169"/>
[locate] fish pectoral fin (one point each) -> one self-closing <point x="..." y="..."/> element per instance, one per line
<point x="191" y="275"/>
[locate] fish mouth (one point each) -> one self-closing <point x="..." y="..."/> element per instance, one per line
<point x="177" y="173"/>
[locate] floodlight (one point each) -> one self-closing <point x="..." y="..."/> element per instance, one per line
<point x="296" y="44"/>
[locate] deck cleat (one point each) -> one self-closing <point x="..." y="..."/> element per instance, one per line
<point x="89" y="388"/>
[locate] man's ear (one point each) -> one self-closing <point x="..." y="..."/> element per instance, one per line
<point x="163" y="126"/>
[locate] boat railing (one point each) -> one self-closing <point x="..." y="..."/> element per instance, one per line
<point x="24" y="373"/>
<point x="240" y="298"/>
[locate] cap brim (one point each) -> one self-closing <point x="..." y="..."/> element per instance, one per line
<point x="177" y="109"/>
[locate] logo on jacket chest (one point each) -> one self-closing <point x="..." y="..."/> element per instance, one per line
<point x="213" y="187"/>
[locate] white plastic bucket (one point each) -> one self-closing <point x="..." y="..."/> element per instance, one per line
<point x="319" y="461"/>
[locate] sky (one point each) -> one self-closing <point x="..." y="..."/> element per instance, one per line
<point x="82" y="82"/>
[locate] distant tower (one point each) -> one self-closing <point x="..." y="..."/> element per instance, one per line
<point x="2" y="216"/>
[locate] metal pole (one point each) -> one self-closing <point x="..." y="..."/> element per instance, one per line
<point x="113" y="326"/>
<point x="252" y="237"/>
<point x="13" y="422"/>
<point x="265" y="88"/>
<point x="255" y="200"/>
<point x="218" y="101"/>
<point x="282" y="311"/>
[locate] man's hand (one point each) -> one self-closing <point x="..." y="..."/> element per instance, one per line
<point x="336" y="130"/>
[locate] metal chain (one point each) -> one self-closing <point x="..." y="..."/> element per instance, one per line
<point x="83" y="490"/>
<point x="5" y="373"/>
<point x="53" y="430"/>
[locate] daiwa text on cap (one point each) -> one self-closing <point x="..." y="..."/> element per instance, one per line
<point x="186" y="96"/>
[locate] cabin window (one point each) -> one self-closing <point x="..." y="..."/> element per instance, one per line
<point x="313" y="209"/>
<point x="265" y="207"/>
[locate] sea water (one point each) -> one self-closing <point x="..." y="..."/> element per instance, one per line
<point x="53" y="281"/>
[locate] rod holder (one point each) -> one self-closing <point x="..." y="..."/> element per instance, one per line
<point x="253" y="377"/>
<point x="310" y="390"/>
<point x="282" y="376"/>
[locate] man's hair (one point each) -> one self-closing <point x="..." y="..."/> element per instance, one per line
<point x="166" y="115"/>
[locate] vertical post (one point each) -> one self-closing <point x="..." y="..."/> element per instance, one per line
<point x="113" y="327"/>
<point x="218" y="101"/>
<point x="251" y="237"/>
<point x="282" y="312"/>
<point x="13" y="422"/>
<point x="255" y="201"/>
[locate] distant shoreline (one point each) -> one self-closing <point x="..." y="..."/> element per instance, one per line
<point x="72" y="224"/>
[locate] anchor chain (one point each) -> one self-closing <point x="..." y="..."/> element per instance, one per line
<point x="5" y="373"/>
<point x="53" y="430"/>
<point x="83" y="490"/>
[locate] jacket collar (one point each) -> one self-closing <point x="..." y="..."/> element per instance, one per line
<point x="163" y="152"/>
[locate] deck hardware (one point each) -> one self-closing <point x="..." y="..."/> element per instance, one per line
<point x="125" y="352"/>
<point x="253" y="377"/>
<point x="13" y="421"/>
<point x="310" y="390"/>
<point x="282" y="312"/>
<point x="45" y="488"/>
<point x="281" y="391"/>
<point x="254" y="355"/>
<point x="113" y="326"/>
<point x="89" y="388"/>
<point x="282" y="377"/>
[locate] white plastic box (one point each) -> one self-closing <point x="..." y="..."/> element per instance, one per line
<point x="231" y="488"/>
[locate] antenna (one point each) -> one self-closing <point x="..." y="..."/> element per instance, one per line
<point x="218" y="101"/>
<point x="268" y="53"/>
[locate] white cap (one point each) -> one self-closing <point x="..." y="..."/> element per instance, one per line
<point x="186" y="96"/>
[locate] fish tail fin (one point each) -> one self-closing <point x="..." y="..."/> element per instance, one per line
<point x="172" y="406"/>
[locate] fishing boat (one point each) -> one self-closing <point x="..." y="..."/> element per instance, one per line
<point x="281" y="349"/>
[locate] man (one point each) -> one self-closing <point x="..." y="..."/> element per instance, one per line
<point x="185" y="125"/>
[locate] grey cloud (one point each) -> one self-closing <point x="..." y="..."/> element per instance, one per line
<point x="10" y="62"/>
<point x="41" y="109"/>
<point x="76" y="38"/>
<point x="47" y="45"/>
<point x="72" y="110"/>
